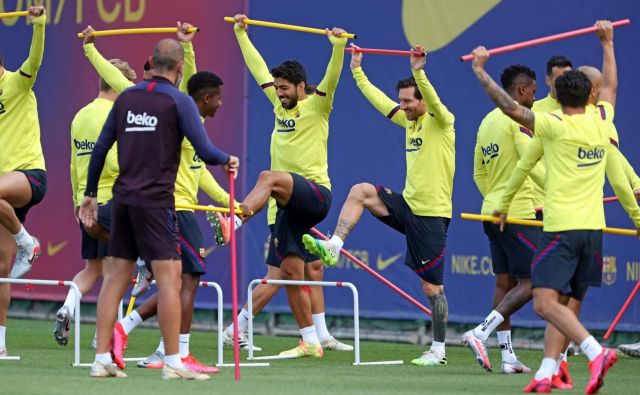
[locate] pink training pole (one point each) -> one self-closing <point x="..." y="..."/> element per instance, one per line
<point x="604" y="200"/>
<point x="544" y="40"/>
<point x="622" y="310"/>
<point x="383" y="51"/>
<point x="234" y="275"/>
<point x="376" y="275"/>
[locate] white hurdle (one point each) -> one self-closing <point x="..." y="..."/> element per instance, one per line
<point x="216" y="286"/>
<point x="338" y="284"/>
<point x="70" y="284"/>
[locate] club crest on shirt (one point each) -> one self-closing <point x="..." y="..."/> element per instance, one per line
<point x="609" y="270"/>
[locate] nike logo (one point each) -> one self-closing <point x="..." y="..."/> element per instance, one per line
<point x="54" y="249"/>
<point x="385" y="263"/>
<point x="425" y="262"/>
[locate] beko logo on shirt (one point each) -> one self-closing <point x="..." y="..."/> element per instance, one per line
<point x="143" y="122"/>
<point x="286" y="125"/>
<point x="84" y="144"/>
<point x="590" y="154"/>
<point x="489" y="152"/>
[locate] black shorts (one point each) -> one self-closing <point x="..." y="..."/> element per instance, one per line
<point x="93" y="248"/>
<point x="190" y="238"/>
<point x="148" y="233"/>
<point x="309" y="204"/>
<point x="426" y="236"/>
<point x="512" y="251"/>
<point x="272" y="257"/>
<point x="38" y="181"/>
<point x="567" y="261"/>
<point x="539" y="215"/>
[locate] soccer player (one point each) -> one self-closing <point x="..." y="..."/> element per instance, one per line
<point x="23" y="179"/>
<point x="85" y="129"/>
<point x="206" y="90"/>
<point x="297" y="187"/>
<point x="423" y="211"/>
<point x="500" y="143"/>
<point x="556" y="66"/>
<point x="577" y="153"/>
<point x="149" y="122"/>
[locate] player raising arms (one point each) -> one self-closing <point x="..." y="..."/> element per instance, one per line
<point x="297" y="187"/>
<point x="23" y="179"/>
<point x="85" y="129"/>
<point x="423" y="211"/>
<point x="577" y="153"/>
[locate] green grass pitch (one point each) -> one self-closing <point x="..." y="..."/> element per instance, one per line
<point x="45" y="369"/>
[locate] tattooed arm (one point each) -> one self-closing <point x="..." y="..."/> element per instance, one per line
<point x="513" y="110"/>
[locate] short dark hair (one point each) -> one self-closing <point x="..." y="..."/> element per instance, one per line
<point x="558" y="61"/>
<point x="201" y="83"/>
<point x="290" y="70"/>
<point x="573" y="89"/>
<point x="147" y="66"/>
<point x="408" y="83"/>
<point x="514" y="73"/>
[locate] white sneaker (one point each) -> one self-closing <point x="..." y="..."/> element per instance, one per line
<point x="24" y="259"/>
<point x="3" y="352"/>
<point x="429" y="358"/>
<point x="333" y="344"/>
<point x="632" y="350"/>
<point x="146" y="277"/>
<point x="243" y="340"/>
<point x="478" y="348"/>
<point x="99" y="370"/>
<point x="153" y="361"/>
<point x="182" y="373"/>
<point x="94" y="343"/>
<point x="61" y="331"/>
<point x="514" y="367"/>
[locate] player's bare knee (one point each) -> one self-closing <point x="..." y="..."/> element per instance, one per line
<point x="541" y="307"/>
<point x="360" y="192"/>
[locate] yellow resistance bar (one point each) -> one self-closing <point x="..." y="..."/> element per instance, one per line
<point x="13" y="14"/>
<point x="147" y="30"/>
<point x="286" y="27"/>
<point x="208" y="208"/>
<point x="527" y="222"/>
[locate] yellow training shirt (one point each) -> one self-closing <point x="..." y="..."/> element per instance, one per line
<point x="577" y="152"/>
<point x="548" y="104"/>
<point x="299" y="137"/>
<point x="19" y="125"/>
<point x="430" y="150"/>
<point x="85" y="129"/>
<point x="500" y="143"/>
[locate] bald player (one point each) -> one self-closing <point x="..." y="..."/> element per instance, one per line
<point x="149" y="122"/>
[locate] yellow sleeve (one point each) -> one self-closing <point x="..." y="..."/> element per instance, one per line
<point x="327" y="87"/>
<point x="189" y="68"/>
<point x="73" y="173"/>
<point x="520" y="173"/>
<point x="522" y="139"/>
<point x="211" y="187"/>
<point x="479" y="171"/>
<point x="29" y="69"/>
<point x="620" y="185"/>
<point x="629" y="172"/>
<point x="434" y="105"/>
<point x="378" y="99"/>
<point x="257" y="66"/>
<point x="106" y="70"/>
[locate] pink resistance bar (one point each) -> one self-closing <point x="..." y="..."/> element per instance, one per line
<point x="544" y="40"/>
<point x="376" y="274"/>
<point x="234" y="278"/>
